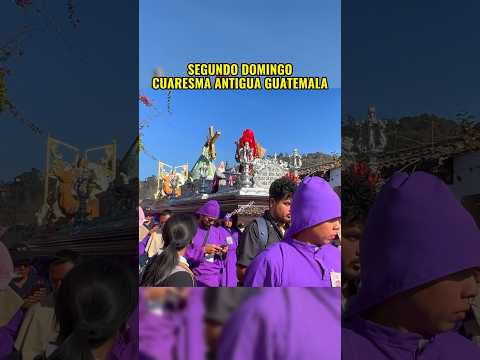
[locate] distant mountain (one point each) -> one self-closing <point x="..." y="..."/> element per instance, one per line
<point x="408" y="131"/>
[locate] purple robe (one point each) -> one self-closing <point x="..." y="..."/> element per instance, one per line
<point x="207" y="273"/>
<point x="294" y="263"/>
<point x="284" y="324"/>
<point x="143" y="244"/>
<point x="8" y="333"/>
<point x="417" y="232"/>
<point x="126" y="345"/>
<point x="363" y="339"/>
<point x="174" y="334"/>
<point x="229" y="278"/>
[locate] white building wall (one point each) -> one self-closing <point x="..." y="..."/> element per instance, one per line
<point x="336" y="177"/>
<point x="466" y="175"/>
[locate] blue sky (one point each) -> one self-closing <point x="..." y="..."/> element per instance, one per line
<point x="281" y="121"/>
<point x="173" y="34"/>
<point x="79" y="85"/>
<point x="409" y="57"/>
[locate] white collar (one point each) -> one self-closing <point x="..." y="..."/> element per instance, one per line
<point x="183" y="260"/>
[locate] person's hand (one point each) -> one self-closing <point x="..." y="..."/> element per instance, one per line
<point x="211" y="249"/>
<point x="225" y="249"/>
<point x="37" y="296"/>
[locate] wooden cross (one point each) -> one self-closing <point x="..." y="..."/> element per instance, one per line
<point x="212" y="137"/>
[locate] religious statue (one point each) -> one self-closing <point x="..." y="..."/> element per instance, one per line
<point x="248" y="149"/>
<point x="375" y="126"/>
<point x="86" y="187"/>
<point x="248" y="137"/>
<point x="65" y="176"/>
<point x="220" y="177"/>
<point x="176" y="181"/>
<point x="296" y="161"/>
<point x="207" y="158"/>
<point x="170" y="185"/>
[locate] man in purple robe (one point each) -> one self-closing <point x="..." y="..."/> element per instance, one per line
<point x="284" y="324"/>
<point x="419" y="259"/>
<point x="305" y="257"/>
<point x="171" y="324"/>
<point x="209" y="249"/>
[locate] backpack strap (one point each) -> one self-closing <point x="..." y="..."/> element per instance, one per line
<point x="262" y="231"/>
<point x="149" y="244"/>
<point x="181" y="267"/>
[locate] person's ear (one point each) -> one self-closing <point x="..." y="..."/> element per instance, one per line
<point x="271" y="202"/>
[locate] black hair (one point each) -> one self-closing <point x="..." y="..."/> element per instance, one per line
<point x="282" y="188"/>
<point x="177" y="234"/>
<point x="165" y="213"/>
<point x="357" y="193"/>
<point x="234" y="219"/>
<point x="93" y="303"/>
<point x="66" y="255"/>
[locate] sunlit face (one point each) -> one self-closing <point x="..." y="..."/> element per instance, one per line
<point x="351" y="235"/>
<point x="280" y="210"/>
<point x="58" y="273"/>
<point x="440" y="305"/>
<point x="207" y="221"/>
<point x="320" y="234"/>
<point x="227" y="223"/>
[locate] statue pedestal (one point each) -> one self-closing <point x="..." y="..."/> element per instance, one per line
<point x="251" y="201"/>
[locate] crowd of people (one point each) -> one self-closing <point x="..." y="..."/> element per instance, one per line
<point x="294" y="243"/>
<point x="409" y="290"/>
<point x="410" y="287"/>
<point x="66" y="307"/>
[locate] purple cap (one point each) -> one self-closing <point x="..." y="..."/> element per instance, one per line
<point x="313" y="203"/>
<point x="210" y="208"/>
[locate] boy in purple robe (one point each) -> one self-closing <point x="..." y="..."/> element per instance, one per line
<point x="284" y="324"/>
<point x="171" y="329"/>
<point x="209" y="249"/>
<point x="232" y="234"/>
<point x="305" y="257"/>
<point x="419" y="259"/>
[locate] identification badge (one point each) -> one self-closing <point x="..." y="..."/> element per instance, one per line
<point x="210" y="258"/>
<point x="336" y="279"/>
